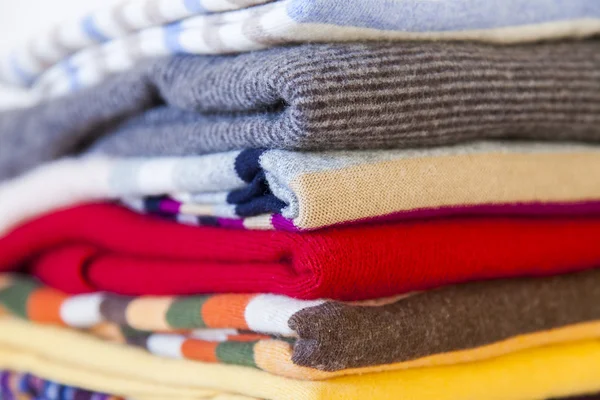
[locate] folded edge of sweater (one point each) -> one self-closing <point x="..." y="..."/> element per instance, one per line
<point x="313" y="190"/>
<point x="319" y="97"/>
<point x="104" y="247"/>
<point x="551" y="371"/>
<point x="293" y="21"/>
<point x="463" y="323"/>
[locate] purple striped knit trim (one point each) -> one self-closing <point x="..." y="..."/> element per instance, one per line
<point x="169" y="206"/>
<point x="234" y="223"/>
<point x="281" y="223"/>
<point x="536" y="209"/>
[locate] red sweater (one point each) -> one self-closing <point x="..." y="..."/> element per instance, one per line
<point x="105" y="247"/>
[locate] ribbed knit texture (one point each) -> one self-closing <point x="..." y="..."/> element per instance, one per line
<point x="104" y="247"/>
<point x="320" y="97"/>
<point x="371" y="96"/>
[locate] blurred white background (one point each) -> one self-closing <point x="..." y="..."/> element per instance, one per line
<point x="21" y="19"/>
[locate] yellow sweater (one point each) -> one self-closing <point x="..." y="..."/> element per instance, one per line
<point x="79" y="359"/>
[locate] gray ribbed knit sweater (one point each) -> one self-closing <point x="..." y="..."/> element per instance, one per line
<point x="315" y="97"/>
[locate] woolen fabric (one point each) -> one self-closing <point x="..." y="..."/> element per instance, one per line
<point x="107" y="248"/>
<point x="306" y="191"/>
<point x="283" y="190"/>
<point x="454" y="324"/>
<point x="320" y="97"/>
<point x="550" y="371"/>
<point x="119" y="37"/>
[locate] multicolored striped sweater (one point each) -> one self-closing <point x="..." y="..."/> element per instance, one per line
<point x="318" y="339"/>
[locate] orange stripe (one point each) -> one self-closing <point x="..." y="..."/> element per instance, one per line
<point x="200" y="350"/>
<point x="226" y="311"/>
<point x="44" y="306"/>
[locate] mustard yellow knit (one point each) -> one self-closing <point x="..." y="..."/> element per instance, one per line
<point x="78" y="359"/>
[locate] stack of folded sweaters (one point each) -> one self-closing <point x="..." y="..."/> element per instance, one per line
<point x="303" y="199"/>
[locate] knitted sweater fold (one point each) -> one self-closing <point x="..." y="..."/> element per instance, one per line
<point x="82" y="53"/>
<point x="319" y="97"/>
<point x="107" y="248"/>
<point x="551" y="371"/>
<point x="322" y="339"/>
<point x="282" y="190"/>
